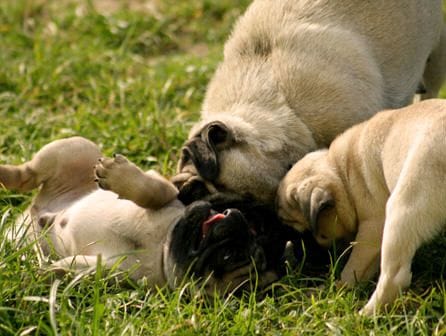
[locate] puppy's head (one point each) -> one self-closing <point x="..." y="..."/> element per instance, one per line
<point x="230" y="155"/>
<point x="228" y="242"/>
<point x="312" y="197"/>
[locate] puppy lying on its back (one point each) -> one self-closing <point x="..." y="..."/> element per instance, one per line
<point x="381" y="184"/>
<point x="147" y="230"/>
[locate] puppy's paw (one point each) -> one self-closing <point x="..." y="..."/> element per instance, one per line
<point x="368" y="310"/>
<point x="114" y="173"/>
<point x="339" y="284"/>
<point x="146" y="189"/>
<point x="182" y="179"/>
<point x="288" y="206"/>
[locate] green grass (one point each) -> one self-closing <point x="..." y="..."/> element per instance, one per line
<point x="132" y="80"/>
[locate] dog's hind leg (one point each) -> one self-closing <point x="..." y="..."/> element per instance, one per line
<point x="20" y="178"/>
<point x="435" y="70"/>
<point x="414" y="215"/>
<point x="63" y="167"/>
<point x="404" y="232"/>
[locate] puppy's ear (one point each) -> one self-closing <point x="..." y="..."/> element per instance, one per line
<point x="313" y="203"/>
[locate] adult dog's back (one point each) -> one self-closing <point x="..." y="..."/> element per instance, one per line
<point x="297" y="73"/>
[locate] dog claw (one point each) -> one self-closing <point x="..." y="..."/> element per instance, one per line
<point x="119" y="158"/>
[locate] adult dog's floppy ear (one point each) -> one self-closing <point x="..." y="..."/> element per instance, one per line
<point x="313" y="203"/>
<point x="202" y="149"/>
<point x="217" y="135"/>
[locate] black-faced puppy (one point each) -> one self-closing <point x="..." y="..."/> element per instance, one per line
<point x="381" y="185"/>
<point x="223" y="235"/>
<point x="136" y="220"/>
<point x="296" y="73"/>
<point x="263" y="226"/>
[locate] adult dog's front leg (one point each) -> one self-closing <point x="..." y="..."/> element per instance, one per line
<point x="146" y="189"/>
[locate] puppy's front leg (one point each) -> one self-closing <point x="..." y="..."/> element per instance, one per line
<point x="146" y="189"/>
<point x="363" y="262"/>
<point x="74" y="263"/>
<point x="81" y="263"/>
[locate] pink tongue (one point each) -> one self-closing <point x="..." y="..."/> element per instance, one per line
<point x="209" y="222"/>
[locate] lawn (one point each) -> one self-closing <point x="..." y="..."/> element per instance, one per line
<point x="130" y="75"/>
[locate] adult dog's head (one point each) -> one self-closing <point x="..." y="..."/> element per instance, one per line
<point x="240" y="156"/>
